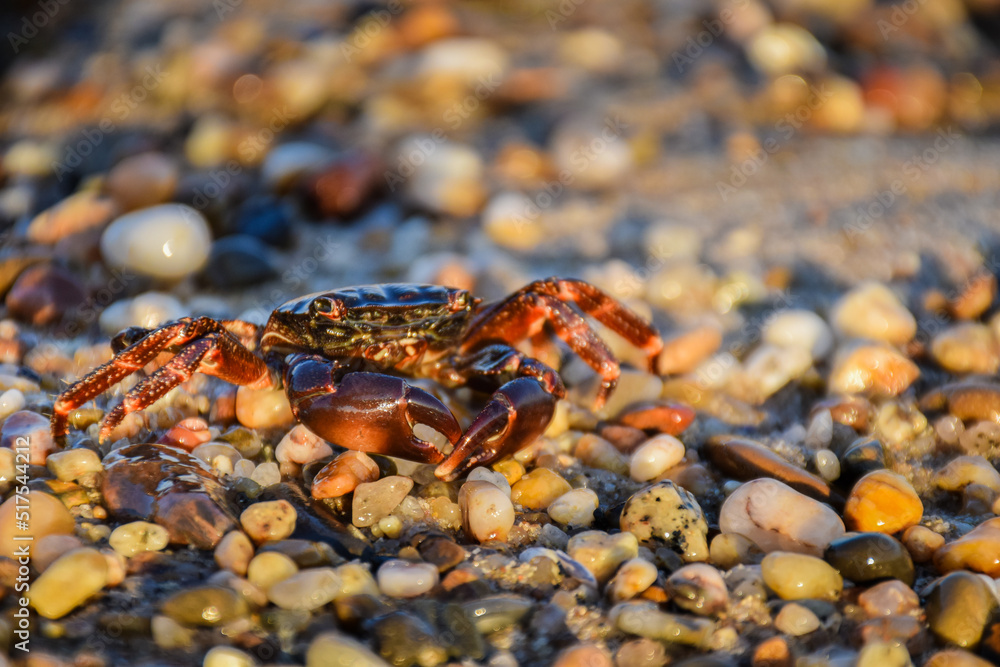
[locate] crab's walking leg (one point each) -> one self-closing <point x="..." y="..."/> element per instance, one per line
<point x="364" y="411"/>
<point x="141" y="346"/>
<point x="218" y="354"/>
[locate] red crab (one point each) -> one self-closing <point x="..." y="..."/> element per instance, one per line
<point x="340" y="356"/>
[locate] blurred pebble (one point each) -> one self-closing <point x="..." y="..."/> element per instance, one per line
<point x="29" y="157"/>
<point x="597" y="155"/>
<point x="137" y="536"/>
<point x="68" y="582"/>
<point x="769" y="368"/>
<point x="34" y="429"/>
<point x="574" y="508"/>
<point x="306" y="590"/>
<point x="51" y="548"/>
<point x="374" y="500"/>
<point x="11" y="401"/>
<point x="801" y="329"/>
<point x="783" y="48"/>
<point x="602" y="553"/>
<point x="778" y="518"/>
<point x="634" y="386"/>
<point x="286" y="162"/>
<point x="513" y="221"/>
<point x="655" y="456"/>
<point x="205" y="606"/>
<point x="872" y="370"/>
<point x="976" y="298"/>
<point x="967" y="347"/>
<point x="958" y="607"/>
<point x="72" y="464"/>
<point x="343" y="474"/>
<point x="796" y="576"/>
<point x="48" y="517"/>
<point x="268" y="521"/>
<point x="487" y="511"/>
<point x="922" y="543"/>
<point x="796" y="620"/>
<point x="265" y="218"/>
<point x="300" y="445"/>
<point x="405" y="579"/>
<point x="698" y="588"/>
<point x="447" y="177"/>
<point x="263" y="408"/>
<point x="873" y="311"/>
<point x="268" y="568"/>
<point x="890" y="598"/>
<point x="147" y="310"/>
<point x="227" y="656"/>
<point x="238" y="261"/>
<point x="233" y="552"/>
<point x="884" y="502"/>
<point x="964" y="470"/>
<point x="867" y="557"/>
<point x="665" y="514"/>
<point x="169" y="241"/>
<point x="44" y="295"/>
<point x="685" y="352"/>
<point x="79" y="212"/>
<point x="583" y="655"/>
<point x="143" y="180"/>
<point x="954" y="657"/>
<point x="977" y="550"/>
<point x="335" y="649"/>
<point x="538" y="489"/>
<point x="644" y="619"/>
<point x="633" y="577"/>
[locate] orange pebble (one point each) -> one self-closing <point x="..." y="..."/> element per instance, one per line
<point x="883" y="502"/>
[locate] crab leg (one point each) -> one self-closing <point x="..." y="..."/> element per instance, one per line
<point x="366" y="411"/>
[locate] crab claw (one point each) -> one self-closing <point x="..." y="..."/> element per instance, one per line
<point x="517" y="413"/>
<point x="367" y="412"/>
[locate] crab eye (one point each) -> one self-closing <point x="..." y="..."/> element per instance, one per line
<point x="325" y="306"/>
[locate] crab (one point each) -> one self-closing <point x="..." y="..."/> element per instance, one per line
<point x="343" y="358"/>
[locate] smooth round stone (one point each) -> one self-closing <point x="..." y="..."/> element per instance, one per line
<point x="80" y="212"/>
<point x="799" y="328"/>
<point x="205" y="606"/>
<point x="869" y="557"/>
<point x="269" y="521"/>
<point x="239" y="261"/>
<point x="34" y="429"/>
<point x="655" y="456"/>
<point x="967" y="347"/>
<point x="685" y="352"/>
<point x="137" y="536"/>
<point x="69" y="582"/>
<point x="819" y="435"/>
<point x="596" y="452"/>
<point x="538" y="489"/>
<point x="977" y="550"/>
<point x="73" y="464"/>
<point x="574" y="508"/>
<point x="796" y="576"/>
<point x="448" y="180"/>
<point x="48" y="517"/>
<point x="405" y="579"/>
<point x="922" y="543"/>
<point x="11" y="401"/>
<point x="268" y="568"/>
<point x="505" y="222"/>
<point x="45" y="294"/>
<point x="142" y="180"/>
<point x="266" y="474"/>
<point x="665" y="514"/>
<point x="263" y="408"/>
<point x="884" y="502"/>
<point x="343" y="474"/>
<point x="602" y="553"/>
<point x="169" y="241"/>
<point x="776" y="517"/>
<point x="234" y="552"/>
<point x="633" y="577"/>
<point x="745" y="459"/>
<point x="487" y="511"/>
<point x="583" y="655"/>
<point x="608" y="168"/>
<point x="306" y="590"/>
<point x="645" y="619"/>
<point x="495" y="478"/>
<point x="334" y="649"/>
<point x="796" y="620"/>
<point x="890" y="598"/>
<point x="954" y="657"/>
<point x="865" y="455"/>
<point x="770" y="367"/>
<point x="302" y="446"/>
<point x="958" y="607"/>
<point x="964" y="470"/>
<point x="873" y="370"/>
<point x="227" y="656"/>
<point x="698" y="588"/>
<point x="147" y="310"/>
<point x="405" y="639"/>
<point x="874" y="312"/>
<point x="374" y="500"/>
<point x="728" y="550"/>
<point x="827" y="465"/>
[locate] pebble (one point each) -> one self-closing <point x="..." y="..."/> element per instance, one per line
<point x="745" y="459"/>
<point x="266" y="474"/>
<point x="976" y="298"/>
<point x="641" y="653"/>
<point x="143" y="180"/>
<point x="137" y="536"/>
<point x="889" y="598"/>
<point x="797" y="576"/>
<point x="263" y="408"/>
<point x="663" y="416"/>
<point x="44" y="294"/>
<point x="227" y="656"/>
<point x="73" y="464"/>
<point x="238" y="260"/>
<point x="698" y="588"/>
<point x="205" y="606"/>
<point x="233" y="552"/>
<point x="633" y="577"/>
<point x="967" y="347"/>
<point x="449" y="180"/>
<point x="405" y="639"/>
<point x="495" y="478"/>
<point x="265" y="218"/>
<point x="602" y="553"/>
<point x="958" y="607"/>
<point x="34" y="428"/>
<point x="872" y="370"/>
<point x="286" y="162"/>
<point x="827" y="465"/>
<point x="404" y="579"/>
<point x="583" y="655"/>
<point x="306" y="590"/>
<point x="269" y="521"/>
<point x="665" y="514"/>
<point x="506" y="223"/>
<point x="268" y="568"/>
<point x="868" y="557"/>
<point x="852" y="411"/>
<point x="538" y="489"/>
<point x="964" y="470"/>
<point x="68" y="582"/>
<point x="189" y="434"/>
<point x="655" y="456"/>
<point x="728" y="550"/>
<point x="80" y="212"/>
<point x="954" y="657"/>
<point x="646" y="620"/>
<point x="169" y="241"/>
<point x="300" y="445"/>
<point x="884" y="502"/>
<point x="343" y="474"/>
<point x="779" y="518"/>
<point x="685" y="352"/>
<point x="52" y="547"/>
<point x="11" y="401"/>
<point x="863" y="456"/>
<point x="922" y="543"/>
<point x="607" y="168"/>
<point x="799" y="329"/>
<point x="487" y="511"/>
<point x="968" y="401"/>
<point x="335" y="649"/>
<point x="374" y="500"/>
<point x="977" y="550"/>
<point x="594" y="451"/>
<point x="634" y="386"/>
<point x="796" y="620"/>
<point x="874" y="312"/>
<point x="147" y="310"/>
<point x="770" y="367"/>
<point x="48" y="517"/>
<point x="574" y="508"/>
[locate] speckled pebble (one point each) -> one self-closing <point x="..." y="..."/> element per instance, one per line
<point x="665" y="514"/>
<point x="269" y="521"/>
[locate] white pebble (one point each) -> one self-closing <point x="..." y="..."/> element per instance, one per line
<point x="820" y="431"/>
<point x="493" y="477"/>
<point x="11" y="401"/>
<point x="148" y="310"/>
<point x="210" y="451"/>
<point x="769" y="367"/>
<point x="283" y="163"/>
<point x="227" y="656"/>
<point x="827" y="465"/>
<point x="404" y="579"/>
<point x="132" y="538"/>
<point x="873" y="311"/>
<point x="487" y="511"/>
<point x="306" y="590"/>
<point x="802" y="329"/>
<point x="655" y="456"/>
<point x="169" y="241"/>
<point x="244" y="468"/>
<point x="574" y="508"/>
<point x="300" y="445"/>
<point x="266" y="474"/>
<point x="633" y="577"/>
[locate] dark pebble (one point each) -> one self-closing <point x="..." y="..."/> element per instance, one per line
<point x="405" y="640"/>
<point x="44" y="295"/>
<point x="864" y="456"/>
<point x="267" y="219"/>
<point x="869" y="557"/>
<point x="345" y="186"/>
<point x="958" y="608"/>
<point x="238" y="261"/>
<point x="442" y="552"/>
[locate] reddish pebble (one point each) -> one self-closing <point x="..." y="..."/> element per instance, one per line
<point x="44" y="295"/>
<point x="669" y="418"/>
<point x="34" y="429"/>
<point x="187" y="434"/>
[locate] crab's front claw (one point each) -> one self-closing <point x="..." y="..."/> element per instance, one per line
<point x="366" y="412"/>
<point x="517" y="414"/>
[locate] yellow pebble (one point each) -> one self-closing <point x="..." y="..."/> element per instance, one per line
<point x="537" y="489"/>
<point x="883" y="502"/>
